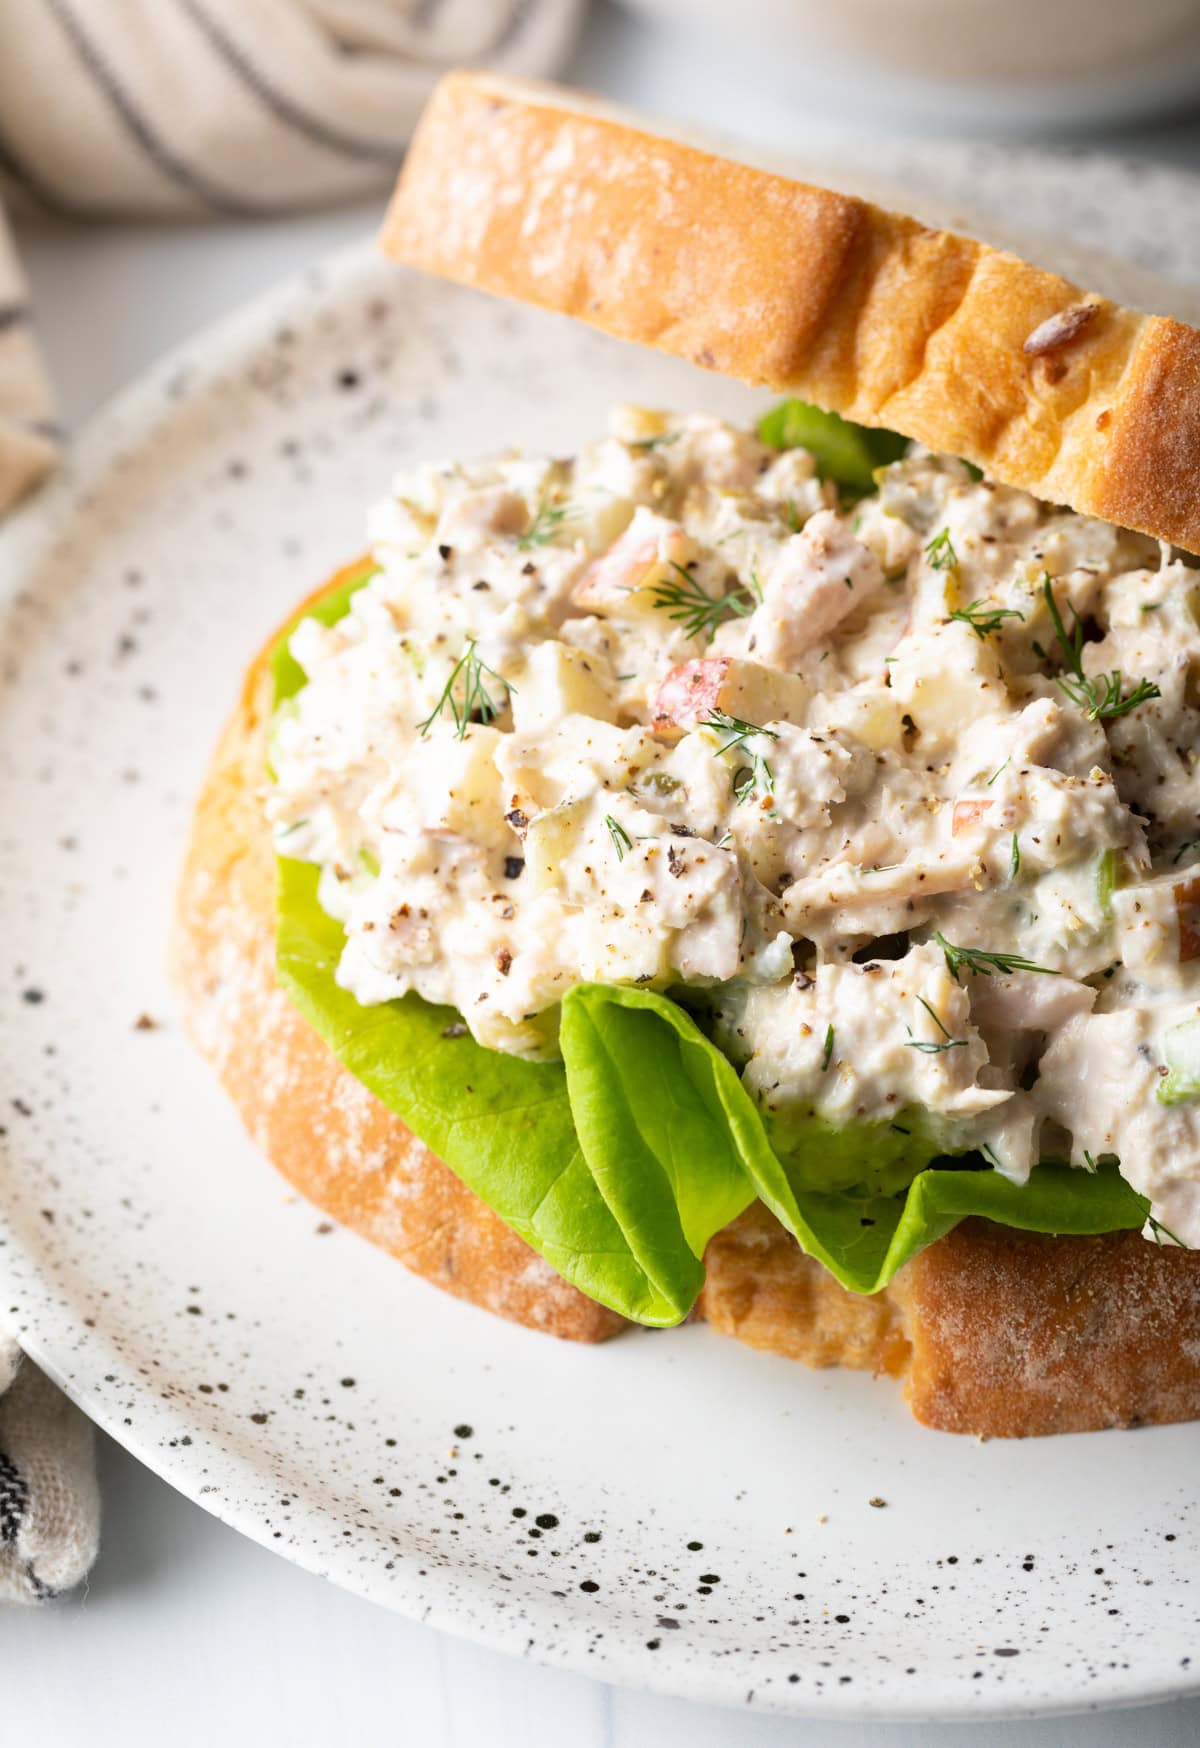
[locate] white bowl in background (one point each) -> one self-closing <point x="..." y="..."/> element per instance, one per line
<point x="960" y="64"/>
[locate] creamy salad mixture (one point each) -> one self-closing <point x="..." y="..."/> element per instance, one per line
<point x="905" y="794"/>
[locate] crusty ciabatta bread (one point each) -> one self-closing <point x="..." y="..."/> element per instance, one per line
<point x="538" y="194"/>
<point x="997" y="1333"/>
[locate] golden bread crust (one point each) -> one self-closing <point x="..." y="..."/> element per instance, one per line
<point x="1016" y="1335"/>
<point x="522" y="190"/>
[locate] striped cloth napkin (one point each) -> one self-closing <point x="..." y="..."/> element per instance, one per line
<point x="242" y="108"/>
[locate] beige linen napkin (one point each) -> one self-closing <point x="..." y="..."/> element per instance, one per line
<point x="241" y="108"/>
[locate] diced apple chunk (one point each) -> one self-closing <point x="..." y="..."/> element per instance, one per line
<point x="1158" y="926"/>
<point x="455" y="786"/>
<point x="692" y="691"/>
<point x="622" y="583"/>
<point x="558" y="681"/>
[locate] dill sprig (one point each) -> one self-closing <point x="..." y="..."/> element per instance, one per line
<point x="700" y="613"/>
<point x="827" y="1050"/>
<point x="736" y="727"/>
<point x="1014" y="865"/>
<point x="620" y="837"/>
<point x="757" y="775"/>
<point x="982" y="963"/>
<point x="1100" y="696"/>
<point x="940" y="552"/>
<point x="466" y="694"/>
<point x="1158" y="1229"/>
<point x="546" y="524"/>
<point x="935" y="1046"/>
<point x="984" y="618"/>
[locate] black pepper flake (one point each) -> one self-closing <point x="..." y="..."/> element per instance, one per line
<point x="504" y="961"/>
<point x="590" y="1585"/>
<point x="456" y="1029"/>
<point x="518" y="821"/>
<point x="877" y="1502"/>
<point x="33" y="996"/>
<point x="464" y="1431"/>
<point x="445" y="553"/>
<point x="513" y="867"/>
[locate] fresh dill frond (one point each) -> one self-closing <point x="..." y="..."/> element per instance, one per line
<point x="940" y="552"/>
<point x="984" y="618"/>
<point x="466" y="694"/>
<point x="934" y="1047"/>
<point x="755" y="778"/>
<point x="736" y="727"/>
<point x="620" y="837"/>
<point x="700" y="613"/>
<point x="546" y="523"/>
<point x="1101" y="697"/>
<point x="982" y="963"/>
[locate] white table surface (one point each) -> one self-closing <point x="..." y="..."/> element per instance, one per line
<point x="188" y="1633"/>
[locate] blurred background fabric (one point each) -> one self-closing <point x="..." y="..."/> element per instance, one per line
<point x="238" y="108"/>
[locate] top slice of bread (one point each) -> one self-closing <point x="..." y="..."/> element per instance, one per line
<point x="538" y="194"/>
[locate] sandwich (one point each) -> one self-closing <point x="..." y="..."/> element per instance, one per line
<point x="749" y="872"/>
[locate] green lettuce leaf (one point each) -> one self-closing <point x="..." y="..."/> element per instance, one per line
<point x="619" y="1163"/>
<point x="647" y="1086"/>
<point x="846" y="453"/>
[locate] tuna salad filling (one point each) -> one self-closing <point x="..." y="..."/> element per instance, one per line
<point x="893" y="789"/>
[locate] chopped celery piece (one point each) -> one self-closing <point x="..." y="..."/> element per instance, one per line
<point x="1181" y="1047"/>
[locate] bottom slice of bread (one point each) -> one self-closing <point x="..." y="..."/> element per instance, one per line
<point x="997" y="1333"/>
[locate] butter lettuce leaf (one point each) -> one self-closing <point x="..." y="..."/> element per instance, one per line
<point x="505" y="1126"/>
<point x="620" y="1162"/>
<point x="844" y="452"/>
<point x="644" y="1080"/>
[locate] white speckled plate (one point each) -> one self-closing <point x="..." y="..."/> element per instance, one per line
<point x="671" y="1509"/>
